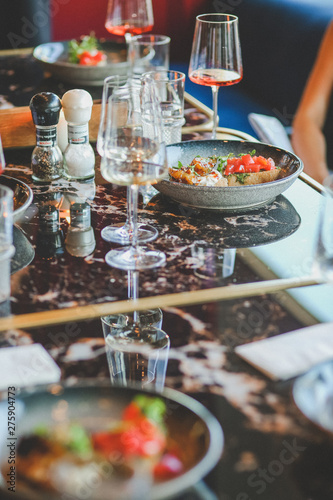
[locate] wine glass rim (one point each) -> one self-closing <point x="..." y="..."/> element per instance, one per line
<point x="164" y="76"/>
<point x="228" y="18"/>
<point x="151" y="38"/>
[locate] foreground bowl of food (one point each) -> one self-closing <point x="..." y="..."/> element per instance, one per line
<point x="94" y="439"/>
<point x="199" y="174"/>
<point x="55" y="59"/>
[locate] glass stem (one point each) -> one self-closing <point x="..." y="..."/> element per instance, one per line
<point x="215" y="90"/>
<point x="133" y="292"/>
<point x="128" y="38"/>
<point x="129" y="221"/>
<point x="134" y="189"/>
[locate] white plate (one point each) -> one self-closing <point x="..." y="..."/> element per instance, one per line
<point x="229" y="199"/>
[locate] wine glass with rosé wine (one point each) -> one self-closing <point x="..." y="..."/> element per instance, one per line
<point x="216" y="59"/>
<point x="129" y="18"/>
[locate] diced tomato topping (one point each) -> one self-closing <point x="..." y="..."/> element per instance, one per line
<point x="168" y="467"/>
<point x="132" y="412"/>
<point x="91" y="59"/>
<point x="248" y="164"/>
<point x="137" y="436"/>
<point x="247" y="159"/>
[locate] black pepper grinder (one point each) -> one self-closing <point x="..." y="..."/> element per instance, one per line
<point x="46" y="159"/>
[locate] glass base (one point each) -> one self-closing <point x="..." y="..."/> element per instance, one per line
<point x="130" y="259"/>
<point x="119" y="233"/>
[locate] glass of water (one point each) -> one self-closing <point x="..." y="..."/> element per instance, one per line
<point x="6" y="240"/>
<point x="137" y="351"/>
<point x="170" y="87"/>
<point x="148" y="52"/>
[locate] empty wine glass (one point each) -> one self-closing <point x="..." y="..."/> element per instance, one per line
<point x="216" y="55"/>
<point x="119" y="233"/>
<point x="134" y="154"/>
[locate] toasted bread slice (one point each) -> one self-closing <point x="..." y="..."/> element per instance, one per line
<point x="254" y="178"/>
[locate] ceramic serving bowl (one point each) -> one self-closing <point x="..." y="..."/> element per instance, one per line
<point x="231" y="198"/>
<point x="54" y="59"/>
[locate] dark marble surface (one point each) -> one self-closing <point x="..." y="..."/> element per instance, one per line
<point x="271" y="451"/>
<point x="204" y="249"/>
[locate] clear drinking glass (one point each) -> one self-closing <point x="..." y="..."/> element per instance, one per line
<point x="136" y="346"/>
<point x="170" y="87"/>
<point x="119" y="233"/>
<point x="216" y="55"/>
<point x="148" y="53"/>
<point x="137" y="356"/>
<point x="6" y="240"/>
<point x="134" y="155"/>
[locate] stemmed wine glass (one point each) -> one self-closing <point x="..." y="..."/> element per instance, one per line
<point x="119" y="233"/>
<point x="126" y="18"/>
<point x="216" y="59"/>
<point x="129" y="17"/>
<point x="134" y="154"/>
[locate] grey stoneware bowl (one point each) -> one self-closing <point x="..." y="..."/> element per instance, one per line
<point x="95" y="406"/>
<point x="231" y="198"/>
<point x="54" y="59"/>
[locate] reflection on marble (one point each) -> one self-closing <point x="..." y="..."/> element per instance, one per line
<point x="64" y="280"/>
<point x="24" y="251"/>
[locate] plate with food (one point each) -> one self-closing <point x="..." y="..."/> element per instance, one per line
<point x="91" y="439"/>
<point x="313" y="394"/>
<point x="226" y="175"/>
<point x="84" y="61"/>
<point x="22" y="195"/>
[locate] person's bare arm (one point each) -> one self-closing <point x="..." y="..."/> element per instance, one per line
<point x="308" y="140"/>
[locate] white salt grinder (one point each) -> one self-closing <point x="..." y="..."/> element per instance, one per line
<point x="79" y="156"/>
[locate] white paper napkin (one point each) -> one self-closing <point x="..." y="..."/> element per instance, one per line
<point x="290" y="354"/>
<point x="26" y="365"/>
